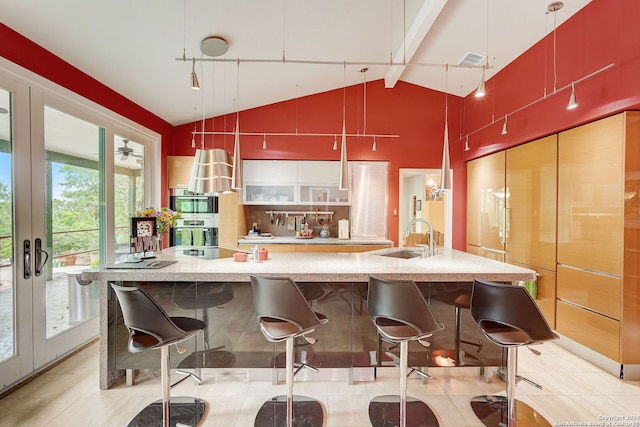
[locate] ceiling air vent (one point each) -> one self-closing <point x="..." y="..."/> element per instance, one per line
<point x="472" y="60"/>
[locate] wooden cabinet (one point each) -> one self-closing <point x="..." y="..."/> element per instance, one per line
<point x="531" y="203"/>
<point x="511" y="212"/>
<point x="590" y="194"/>
<point x="231" y="220"/>
<point x="598" y="229"/>
<point x="179" y="171"/>
<point x="585" y="243"/>
<point x="486" y="204"/>
<point x="531" y="182"/>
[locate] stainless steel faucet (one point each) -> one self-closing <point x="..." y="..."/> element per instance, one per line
<point x="431" y="244"/>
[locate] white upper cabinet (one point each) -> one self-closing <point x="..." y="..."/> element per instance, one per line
<point x="287" y="182"/>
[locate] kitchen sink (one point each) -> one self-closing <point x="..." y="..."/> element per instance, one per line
<point x="405" y="254"/>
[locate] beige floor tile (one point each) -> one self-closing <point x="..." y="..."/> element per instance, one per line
<point x="573" y="390"/>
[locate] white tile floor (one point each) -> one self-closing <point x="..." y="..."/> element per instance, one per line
<point x="574" y="392"/>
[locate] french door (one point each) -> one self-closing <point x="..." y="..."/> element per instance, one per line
<point x="45" y="310"/>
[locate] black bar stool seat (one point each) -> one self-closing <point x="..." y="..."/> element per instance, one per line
<point x="150" y="327"/>
<point x="284" y="314"/>
<point x="401" y="314"/>
<point x="510" y="318"/>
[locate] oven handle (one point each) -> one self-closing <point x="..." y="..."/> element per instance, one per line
<point x="193" y="197"/>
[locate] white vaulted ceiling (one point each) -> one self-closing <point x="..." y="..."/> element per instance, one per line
<point x="131" y="45"/>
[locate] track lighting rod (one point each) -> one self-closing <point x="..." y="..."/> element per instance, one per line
<point x="343" y="63"/>
<point x="263" y="134"/>
<point x="588" y="76"/>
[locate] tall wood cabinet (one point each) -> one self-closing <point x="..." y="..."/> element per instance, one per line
<point x="511" y="216"/>
<point x="486" y="206"/>
<point x="599" y="236"/>
<point x="531" y="215"/>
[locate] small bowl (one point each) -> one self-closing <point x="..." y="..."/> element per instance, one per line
<point x="240" y="257"/>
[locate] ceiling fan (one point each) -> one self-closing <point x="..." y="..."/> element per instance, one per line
<point x="125" y="151"/>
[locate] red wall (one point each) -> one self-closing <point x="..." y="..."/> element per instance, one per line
<point x="22" y="51"/>
<point x="412" y="112"/>
<point x="604" y="32"/>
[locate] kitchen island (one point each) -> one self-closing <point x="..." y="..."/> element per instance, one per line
<point x="334" y="283"/>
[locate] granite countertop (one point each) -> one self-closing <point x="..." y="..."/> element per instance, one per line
<point x="448" y="265"/>
<point x="316" y="240"/>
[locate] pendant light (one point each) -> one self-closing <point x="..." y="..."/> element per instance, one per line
<point x="481" y="91"/>
<point x="236" y="175"/>
<point x="445" y="172"/>
<point x="572" y="99"/>
<point x="504" y="126"/>
<point x="195" y="85"/>
<point x="344" y="166"/>
<point x="211" y="172"/>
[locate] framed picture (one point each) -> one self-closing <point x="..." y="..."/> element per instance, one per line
<point x="143" y="227"/>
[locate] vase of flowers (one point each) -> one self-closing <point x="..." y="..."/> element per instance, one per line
<point x="165" y="218"/>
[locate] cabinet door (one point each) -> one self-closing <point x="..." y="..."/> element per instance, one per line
<point x="590" y="194"/>
<point x="486" y="202"/>
<point x="531" y="203"/>
<point x="179" y="171"/>
<point x="270" y="171"/>
<point x="319" y="172"/>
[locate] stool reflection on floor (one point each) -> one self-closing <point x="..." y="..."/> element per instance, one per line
<point x="284" y="314"/>
<point x="401" y="314"/>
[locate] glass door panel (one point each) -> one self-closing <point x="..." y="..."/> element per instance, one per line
<point x="16" y="351"/>
<point x="7" y="295"/>
<point x="71" y="217"/>
<point x="128" y="181"/>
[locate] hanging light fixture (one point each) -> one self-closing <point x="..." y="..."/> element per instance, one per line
<point x="211" y="171"/>
<point x="504" y="126"/>
<point x="445" y="172"/>
<point x="335" y="142"/>
<point x="374" y="147"/>
<point x="236" y="174"/>
<point x="195" y="85"/>
<point x="572" y="99"/>
<point x="466" y="143"/>
<point x="264" y="142"/>
<point x="480" y="92"/>
<point x="344" y="166"/>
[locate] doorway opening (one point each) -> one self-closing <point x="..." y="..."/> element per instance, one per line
<point x="422" y="197"/>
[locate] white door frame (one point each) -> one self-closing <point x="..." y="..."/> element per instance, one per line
<point x="404" y="202"/>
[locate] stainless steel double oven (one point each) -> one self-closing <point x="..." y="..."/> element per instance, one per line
<point x="199" y="223"/>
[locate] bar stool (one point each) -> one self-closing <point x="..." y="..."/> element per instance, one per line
<point x="510" y="318"/>
<point x="401" y="314"/>
<point x="151" y="328"/>
<point x="284" y="315"/>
